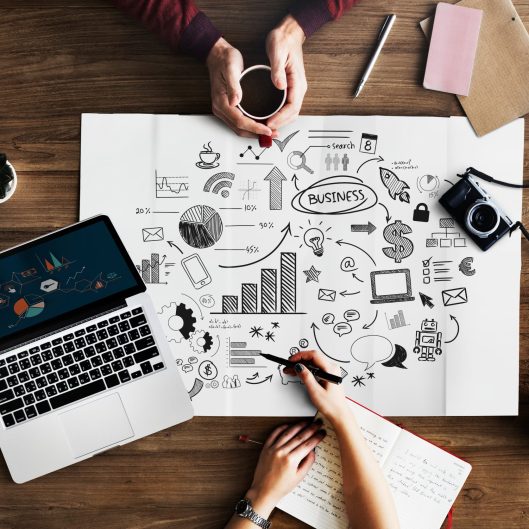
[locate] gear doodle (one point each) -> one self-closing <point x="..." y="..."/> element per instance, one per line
<point x="201" y="341"/>
<point x="180" y="318"/>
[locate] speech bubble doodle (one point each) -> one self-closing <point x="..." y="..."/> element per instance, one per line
<point x="328" y="318"/>
<point x="351" y="315"/>
<point x="186" y="368"/>
<point x="335" y="195"/>
<point x="348" y="264"/>
<point x="207" y="300"/>
<point x="398" y="358"/>
<point x="342" y="328"/>
<point x="371" y="349"/>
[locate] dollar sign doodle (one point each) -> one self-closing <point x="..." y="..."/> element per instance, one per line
<point x="403" y="247"/>
<point x="207" y="369"/>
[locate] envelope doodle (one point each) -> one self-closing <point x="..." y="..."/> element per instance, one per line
<point x="454" y="296"/>
<point x="325" y="294"/>
<point x="152" y="234"/>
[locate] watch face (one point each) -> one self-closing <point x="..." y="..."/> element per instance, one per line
<point x="241" y="507"/>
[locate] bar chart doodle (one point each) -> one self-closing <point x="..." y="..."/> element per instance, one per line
<point x="269" y="287"/>
<point x="150" y="269"/>
<point x="239" y="355"/>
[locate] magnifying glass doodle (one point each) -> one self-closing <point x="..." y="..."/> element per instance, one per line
<point x="297" y="160"/>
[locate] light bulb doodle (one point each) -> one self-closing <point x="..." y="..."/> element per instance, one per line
<point x="314" y="239"/>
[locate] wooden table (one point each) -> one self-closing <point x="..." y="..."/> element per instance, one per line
<point x="60" y="58"/>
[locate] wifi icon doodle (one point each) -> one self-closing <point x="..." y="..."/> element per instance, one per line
<point x="220" y="182"/>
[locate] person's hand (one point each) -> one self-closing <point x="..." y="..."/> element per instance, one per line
<point x="287" y="456"/>
<point x="328" y="398"/>
<point x="284" y="46"/>
<point x="225" y="66"/>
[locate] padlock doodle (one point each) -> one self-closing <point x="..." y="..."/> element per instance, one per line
<point x="421" y="213"/>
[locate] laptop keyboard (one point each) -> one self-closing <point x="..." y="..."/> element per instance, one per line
<point x="79" y="364"/>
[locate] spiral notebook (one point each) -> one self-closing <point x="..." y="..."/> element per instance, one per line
<point x="424" y="479"/>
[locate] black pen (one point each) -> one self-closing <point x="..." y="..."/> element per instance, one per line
<point x="316" y="371"/>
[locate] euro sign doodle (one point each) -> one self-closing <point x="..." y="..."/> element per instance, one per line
<point x="402" y="246"/>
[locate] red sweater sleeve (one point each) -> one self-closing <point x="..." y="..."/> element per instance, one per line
<point x="311" y="15"/>
<point x="179" y="23"/>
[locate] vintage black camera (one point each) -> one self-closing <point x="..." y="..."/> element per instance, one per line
<point x="481" y="218"/>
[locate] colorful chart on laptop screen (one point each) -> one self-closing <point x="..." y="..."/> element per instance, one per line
<point x="58" y="276"/>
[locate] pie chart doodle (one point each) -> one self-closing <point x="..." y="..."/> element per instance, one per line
<point x="200" y="226"/>
<point x="29" y="306"/>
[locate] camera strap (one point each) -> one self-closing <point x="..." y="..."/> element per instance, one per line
<point x="478" y="174"/>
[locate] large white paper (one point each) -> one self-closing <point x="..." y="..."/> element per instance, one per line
<point x="227" y="235"/>
<point x="423" y="479"/>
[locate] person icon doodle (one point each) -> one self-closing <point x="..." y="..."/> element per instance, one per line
<point x="328" y="161"/>
<point x="336" y="161"/>
<point x="345" y="161"/>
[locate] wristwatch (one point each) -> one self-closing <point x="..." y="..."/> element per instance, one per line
<point x="244" y="510"/>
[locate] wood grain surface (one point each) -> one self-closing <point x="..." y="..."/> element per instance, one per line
<point x="60" y="58"/>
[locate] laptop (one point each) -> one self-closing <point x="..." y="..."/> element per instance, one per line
<point x="389" y="286"/>
<point x="84" y="364"/>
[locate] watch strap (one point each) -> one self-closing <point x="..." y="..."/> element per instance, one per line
<point x="251" y="515"/>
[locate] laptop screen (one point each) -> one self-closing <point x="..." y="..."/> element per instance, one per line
<point x="391" y="283"/>
<point x="59" y="276"/>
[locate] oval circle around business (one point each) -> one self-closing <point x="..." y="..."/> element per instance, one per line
<point x="335" y="184"/>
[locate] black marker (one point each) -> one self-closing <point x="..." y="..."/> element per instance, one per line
<point x="316" y="371"/>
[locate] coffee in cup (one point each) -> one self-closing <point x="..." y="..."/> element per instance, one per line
<point x="260" y="97"/>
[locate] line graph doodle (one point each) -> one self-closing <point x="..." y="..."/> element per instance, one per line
<point x="171" y="186"/>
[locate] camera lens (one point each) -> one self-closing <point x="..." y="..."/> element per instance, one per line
<point x="482" y="218"/>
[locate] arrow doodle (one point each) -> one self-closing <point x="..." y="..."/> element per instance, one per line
<point x="340" y="242"/>
<point x="457" y="331"/>
<point x="173" y="245"/>
<point x="286" y="230"/>
<point x="267" y="379"/>
<point x="366" y="326"/>
<point x="345" y="293"/>
<point x="426" y="300"/>
<point x="369" y="228"/>
<point x="378" y="159"/>
<point x="295" y="180"/>
<point x="388" y="216"/>
<point x="253" y="377"/>
<point x="276" y="179"/>
<point x="314" y="327"/>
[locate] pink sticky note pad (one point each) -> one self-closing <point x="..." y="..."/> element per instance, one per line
<point x="453" y="46"/>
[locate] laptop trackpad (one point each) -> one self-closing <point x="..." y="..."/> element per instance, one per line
<point x="97" y="425"/>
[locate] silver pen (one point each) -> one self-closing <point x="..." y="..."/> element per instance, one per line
<point x="382" y="36"/>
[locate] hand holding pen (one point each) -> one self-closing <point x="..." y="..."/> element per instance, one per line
<point x="327" y="397"/>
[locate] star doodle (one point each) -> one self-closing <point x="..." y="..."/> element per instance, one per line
<point x="275" y="325"/>
<point x="270" y="336"/>
<point x="370" y="375"/>
<point x="255" y="332"/>
<point x="358" y="381"/>
<point x="312" y="274"/>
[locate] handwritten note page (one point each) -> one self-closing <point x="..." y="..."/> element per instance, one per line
<point x="420" y="474"/>
<point x="423" y="479"/>
<point x="318" y="500"/>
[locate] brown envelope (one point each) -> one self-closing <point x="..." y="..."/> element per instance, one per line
<point x="499" y="91"/>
